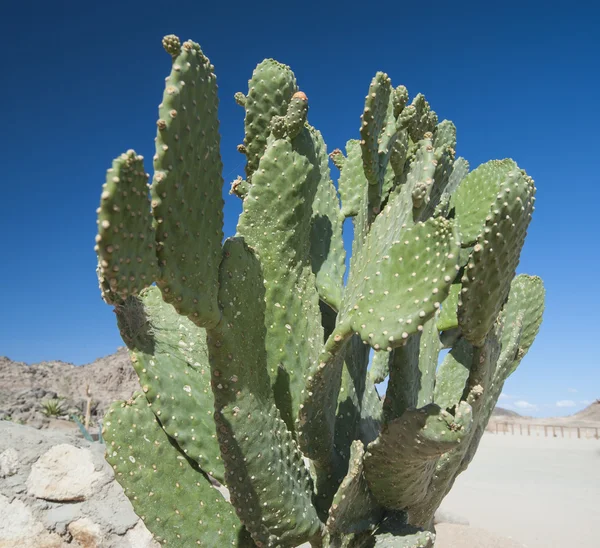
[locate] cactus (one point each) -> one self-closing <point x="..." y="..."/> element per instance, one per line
<point x="253" y="356"/>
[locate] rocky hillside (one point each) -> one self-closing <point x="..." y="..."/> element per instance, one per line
<point x="25" y="389"/>
<point x="591" y="413"/>
<point x="501" y="412"/>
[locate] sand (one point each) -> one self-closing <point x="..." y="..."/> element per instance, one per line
<point x="541" y="492"/>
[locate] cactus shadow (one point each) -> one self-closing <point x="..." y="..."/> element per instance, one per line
<point x="322" y="232"/>
<point x="283" y="398"/>
<point x="134" y="325"/>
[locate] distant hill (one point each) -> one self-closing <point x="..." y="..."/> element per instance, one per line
<point x="590" y="413"/>
<point x="501" y="412"/>
<point x="24" y="388"/>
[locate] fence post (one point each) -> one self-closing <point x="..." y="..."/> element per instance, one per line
<point x="545" y="431"/>
<point x="496" y="428"/>
<point x="562" y="431"/>
<point x="520" y="429"/>
<point x="578" y="433"/>
<point x="529" y="430"/>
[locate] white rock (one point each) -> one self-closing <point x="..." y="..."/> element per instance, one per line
<point x="87" y="533"/>
<point x="64" y="473"/>
<point x="19" y="529"/>
<point x="9" y="462"/>
<point x="17" y="521"/>
<point x="139" y="537"/>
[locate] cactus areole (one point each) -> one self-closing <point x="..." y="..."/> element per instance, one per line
<point x="253" y="356"/>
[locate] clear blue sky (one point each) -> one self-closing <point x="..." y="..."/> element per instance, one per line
<point x="82" y="81"/>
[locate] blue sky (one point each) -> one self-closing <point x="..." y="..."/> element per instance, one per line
<point x="82" y="82"/>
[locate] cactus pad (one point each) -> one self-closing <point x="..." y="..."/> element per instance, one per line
<point x="183" y="509"/>
<point x="354" y="508"/>
<point x="186" y="189"/>
<point x="372" y="123"/>
<point x="353" y="183"/>
<point x="125" y="241"/>
<point x="270" y="91"/>
<point x="170" y="357"/>
<point x="401" y="462"/>
<point x="268" y="482"/>
<point x="384" y="313"/>
<point x="491" y="268"/>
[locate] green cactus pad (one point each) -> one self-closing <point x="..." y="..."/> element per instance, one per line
<point x="327" y="254"/>
<point x="429" y="351"/>
<point x="394" y="532"/>
<point x="452" y="375"/>
<point x="449" y="315"/>
<point x="403" y="206"/>
<point x="352" y="183"/>
<point x="424" y="119"/>
<point x="444" y="160"/>
<point x="402" y="388"/>
<point x="526" y="298"/>
<point x="423" y="173"/>
<point x="476" y="195"/>
<point x="380" y="366"/>
<point x="170" y="357"/>
<point x="317" y="412"/>
<point x="423" y="259"/>
<point x="444" y="135"/>
<point x="276" y="222"/>
<point x="240" y="98"/>
<point x="460" y="169"/>
<point x="239" y="187"/>
<point x="270" y="91"/>
<point x="278" y="127"/>
<point x="399" y="100"/>
<point x="125" y="242"/>
<point x="354" y="508"/>
<point x="338" y="158"/>
<point x="397" y="168"/>
<point x="401" y="462"/>
<point x="491" y="268"/>
<point x="186" y="189"/>
<point x="389" y="134"/>
<point x="373" y="121"/>
<point x="412" y="372"/>
<point x="269" y="485"/>
<point x="359" y="408"/>
<point x="182" y="509"/>
<point x="507" y="363"/>
<point x="295" y="117"/>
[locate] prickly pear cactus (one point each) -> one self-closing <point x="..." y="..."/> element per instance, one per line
<point x="258" y="422"/>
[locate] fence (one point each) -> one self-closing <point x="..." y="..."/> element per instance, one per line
<point x="544" y="430"/>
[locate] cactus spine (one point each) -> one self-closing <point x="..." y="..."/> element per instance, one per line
<point x="252" y="355"/>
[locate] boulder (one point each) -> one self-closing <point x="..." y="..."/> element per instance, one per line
<point x="64" y="473"/>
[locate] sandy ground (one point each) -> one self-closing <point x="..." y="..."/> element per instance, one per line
<point x="541" y="492"/>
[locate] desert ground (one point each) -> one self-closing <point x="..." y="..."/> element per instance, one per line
<point x="542" y="492"/>
<point x="520" y="491"/>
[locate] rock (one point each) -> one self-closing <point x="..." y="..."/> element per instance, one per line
<point x="87" y="533"/>
<point x="9" y="462"/>
<point x="63" y="473"/>
<point x="19" y="528"/>
<point x="60" y="515"/>
<point x="17" y="522"/>
<point x="139" y="537"/>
